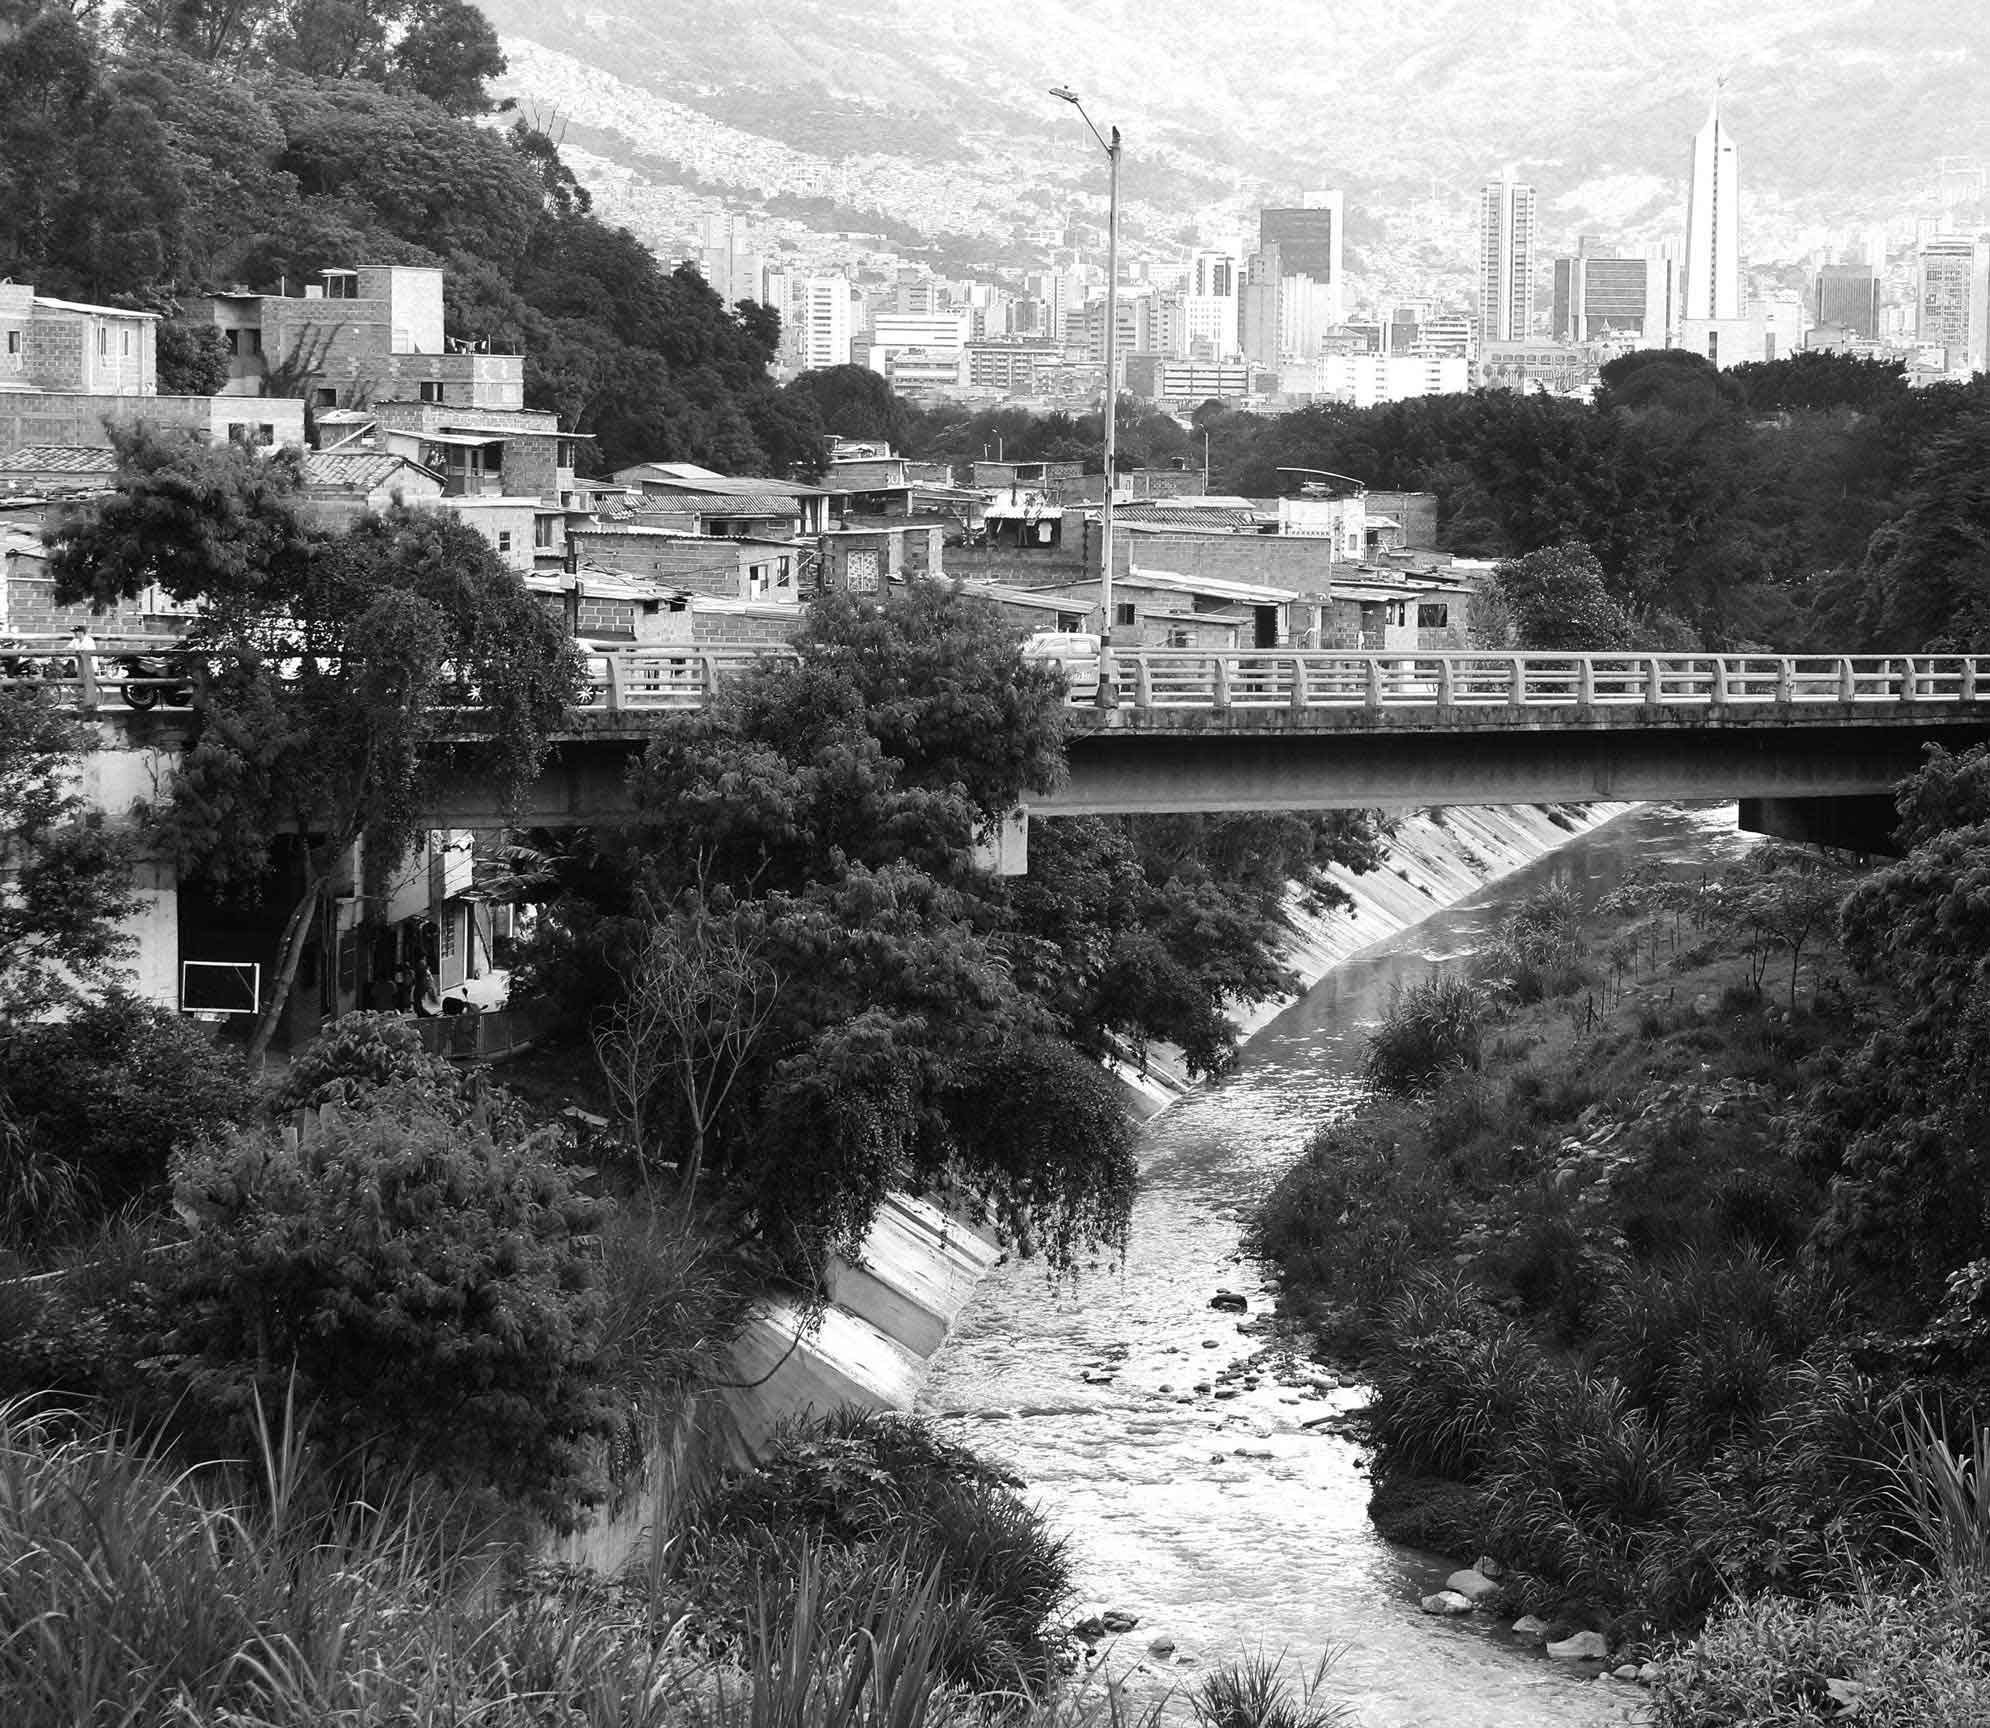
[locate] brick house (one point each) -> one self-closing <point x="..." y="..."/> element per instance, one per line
<point x="357" y="336"/>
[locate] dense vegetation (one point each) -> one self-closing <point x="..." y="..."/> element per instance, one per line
<point x="156" y="150"/>
<point x="805" y="991"/>
<point x="1662" y="1243"/>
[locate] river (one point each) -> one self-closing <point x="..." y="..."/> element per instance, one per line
<point x="1230" y="1525"/>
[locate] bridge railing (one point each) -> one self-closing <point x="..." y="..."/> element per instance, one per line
<point x="634" y="680"/>
<point x="679" y="677"/>
<point x="1187" y="678"/>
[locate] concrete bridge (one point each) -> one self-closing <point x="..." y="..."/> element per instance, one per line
<point x="1809" y="744"/>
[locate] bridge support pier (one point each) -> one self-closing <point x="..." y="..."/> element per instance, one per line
<point x="1863" y="823"/>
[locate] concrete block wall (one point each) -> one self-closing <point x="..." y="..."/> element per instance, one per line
<point x="733" y="629"/>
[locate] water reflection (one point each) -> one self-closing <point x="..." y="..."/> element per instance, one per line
<point x="1216" y="1503"/>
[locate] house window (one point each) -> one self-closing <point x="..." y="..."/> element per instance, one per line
<point x="13" y="341"/>
<point x="252" y="341"/>
<point x="1179" y="637"/>
<point x="1122" y="612"/>
<point x="542" y="531"/>
<point x="1070" y="622"/>
<point x="784" y="576"/>
<point x="124" y="342"/>
<point x="326" y="398"/>
<point x="103" y="342"/>
<point x="504" y="539"/>
<point x="431" y="391"/>
<point x="1433" y="615"/>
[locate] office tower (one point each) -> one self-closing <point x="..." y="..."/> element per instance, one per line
<point x="1597" y="295"/>
<point x="826" y="325"/>
<point x="1952" y="300"/>
<point x="1713" y="225"/>
<point x="1848" y="295"/>
<point x="1506" y="260"/>
<point x="1309" y="242"/>
<point x="1258" y="308"/>
<point x="1209" y="305"/>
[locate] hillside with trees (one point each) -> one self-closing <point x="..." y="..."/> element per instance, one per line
<point x="159" y="150"/>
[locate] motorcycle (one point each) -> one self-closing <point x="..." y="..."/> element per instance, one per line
<point x="150" y="679"/>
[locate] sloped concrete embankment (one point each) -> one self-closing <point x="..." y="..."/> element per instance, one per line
<point x="888" y="1311"/>
<point x="1436" y="859"/>
<point x="891" y="1308"/>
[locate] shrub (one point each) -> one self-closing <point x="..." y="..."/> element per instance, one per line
<point x="864" y="1490"/>
<point x="1430" y="1028"/>
<point x="1884" y="1659"/>
<point x="432" y="1290"/>
<point x="1451" y="1379"/>
<point x="359" y="1053"/>
<point x="106" y="1097"/>
<point x="1537" y="951"/>
<point x="1349" y="1222"/>
<point x="1580" y="1486"/>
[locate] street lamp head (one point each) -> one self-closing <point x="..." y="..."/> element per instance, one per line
<point x="1064" y="93"/>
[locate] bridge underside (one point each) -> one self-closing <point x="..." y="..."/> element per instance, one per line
<point x="1791" y="776"/>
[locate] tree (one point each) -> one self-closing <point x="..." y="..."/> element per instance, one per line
<point x="332" y="664"/>
<point x="853" y="402"/>
<point x="1896" y="1124"/>
<point x="1925" y="583"/>
<point x="427" y="1283"/>
<point x="695" y="999"/>
<point x="447" y="53"/>
<point x="944" y="689"/>
<point x="811" y="830"/>
<point x="65" y="873"/>
<point x="1556" y="599"/>
<point x="193" y="360"/>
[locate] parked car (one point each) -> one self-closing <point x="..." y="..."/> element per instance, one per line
<point x="1074" y="653"/>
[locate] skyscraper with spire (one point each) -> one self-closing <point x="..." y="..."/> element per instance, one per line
<point x="1713" y="224"/>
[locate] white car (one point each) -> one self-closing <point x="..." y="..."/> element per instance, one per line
<point x="1071" y="652"/>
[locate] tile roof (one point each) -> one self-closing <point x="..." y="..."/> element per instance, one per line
<point x="59" y="459"/>
<point x="358" y="470"/>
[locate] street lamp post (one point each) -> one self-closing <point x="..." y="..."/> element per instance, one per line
<point x="1108" y="696"/>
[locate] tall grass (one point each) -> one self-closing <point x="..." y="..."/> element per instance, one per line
<point x="135" y="1595"/>
<point x="1256" y="1692"/>
<point x="1430" y="1029"/>
<point x="1944" y="1492"/>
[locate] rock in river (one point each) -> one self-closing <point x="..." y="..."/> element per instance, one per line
<point x="1581" y="1647"/>
<point x="1446" y="1602"/>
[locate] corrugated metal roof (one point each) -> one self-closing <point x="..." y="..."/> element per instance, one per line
<point x="761" y="502"/>
<point x="1222" y="588"/>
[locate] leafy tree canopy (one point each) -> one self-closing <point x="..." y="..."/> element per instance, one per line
<point x="65" y="875"/>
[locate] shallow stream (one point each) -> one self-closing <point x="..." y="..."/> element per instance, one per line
<point x="1238" y="1524"/>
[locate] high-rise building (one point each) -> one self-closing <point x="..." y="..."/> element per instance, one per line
<point x="1598" y="296"/>
<point x="825" y="324"/>
<point x="1308" y="237"/>
<point x="1848" y="296"/>
<point x="1952" y="300"/>
<point x="1712" y="288"/>
<point x="1506" y="260"/>
<point x="1209" y="303"/>
<point x="1307" y="240"/>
